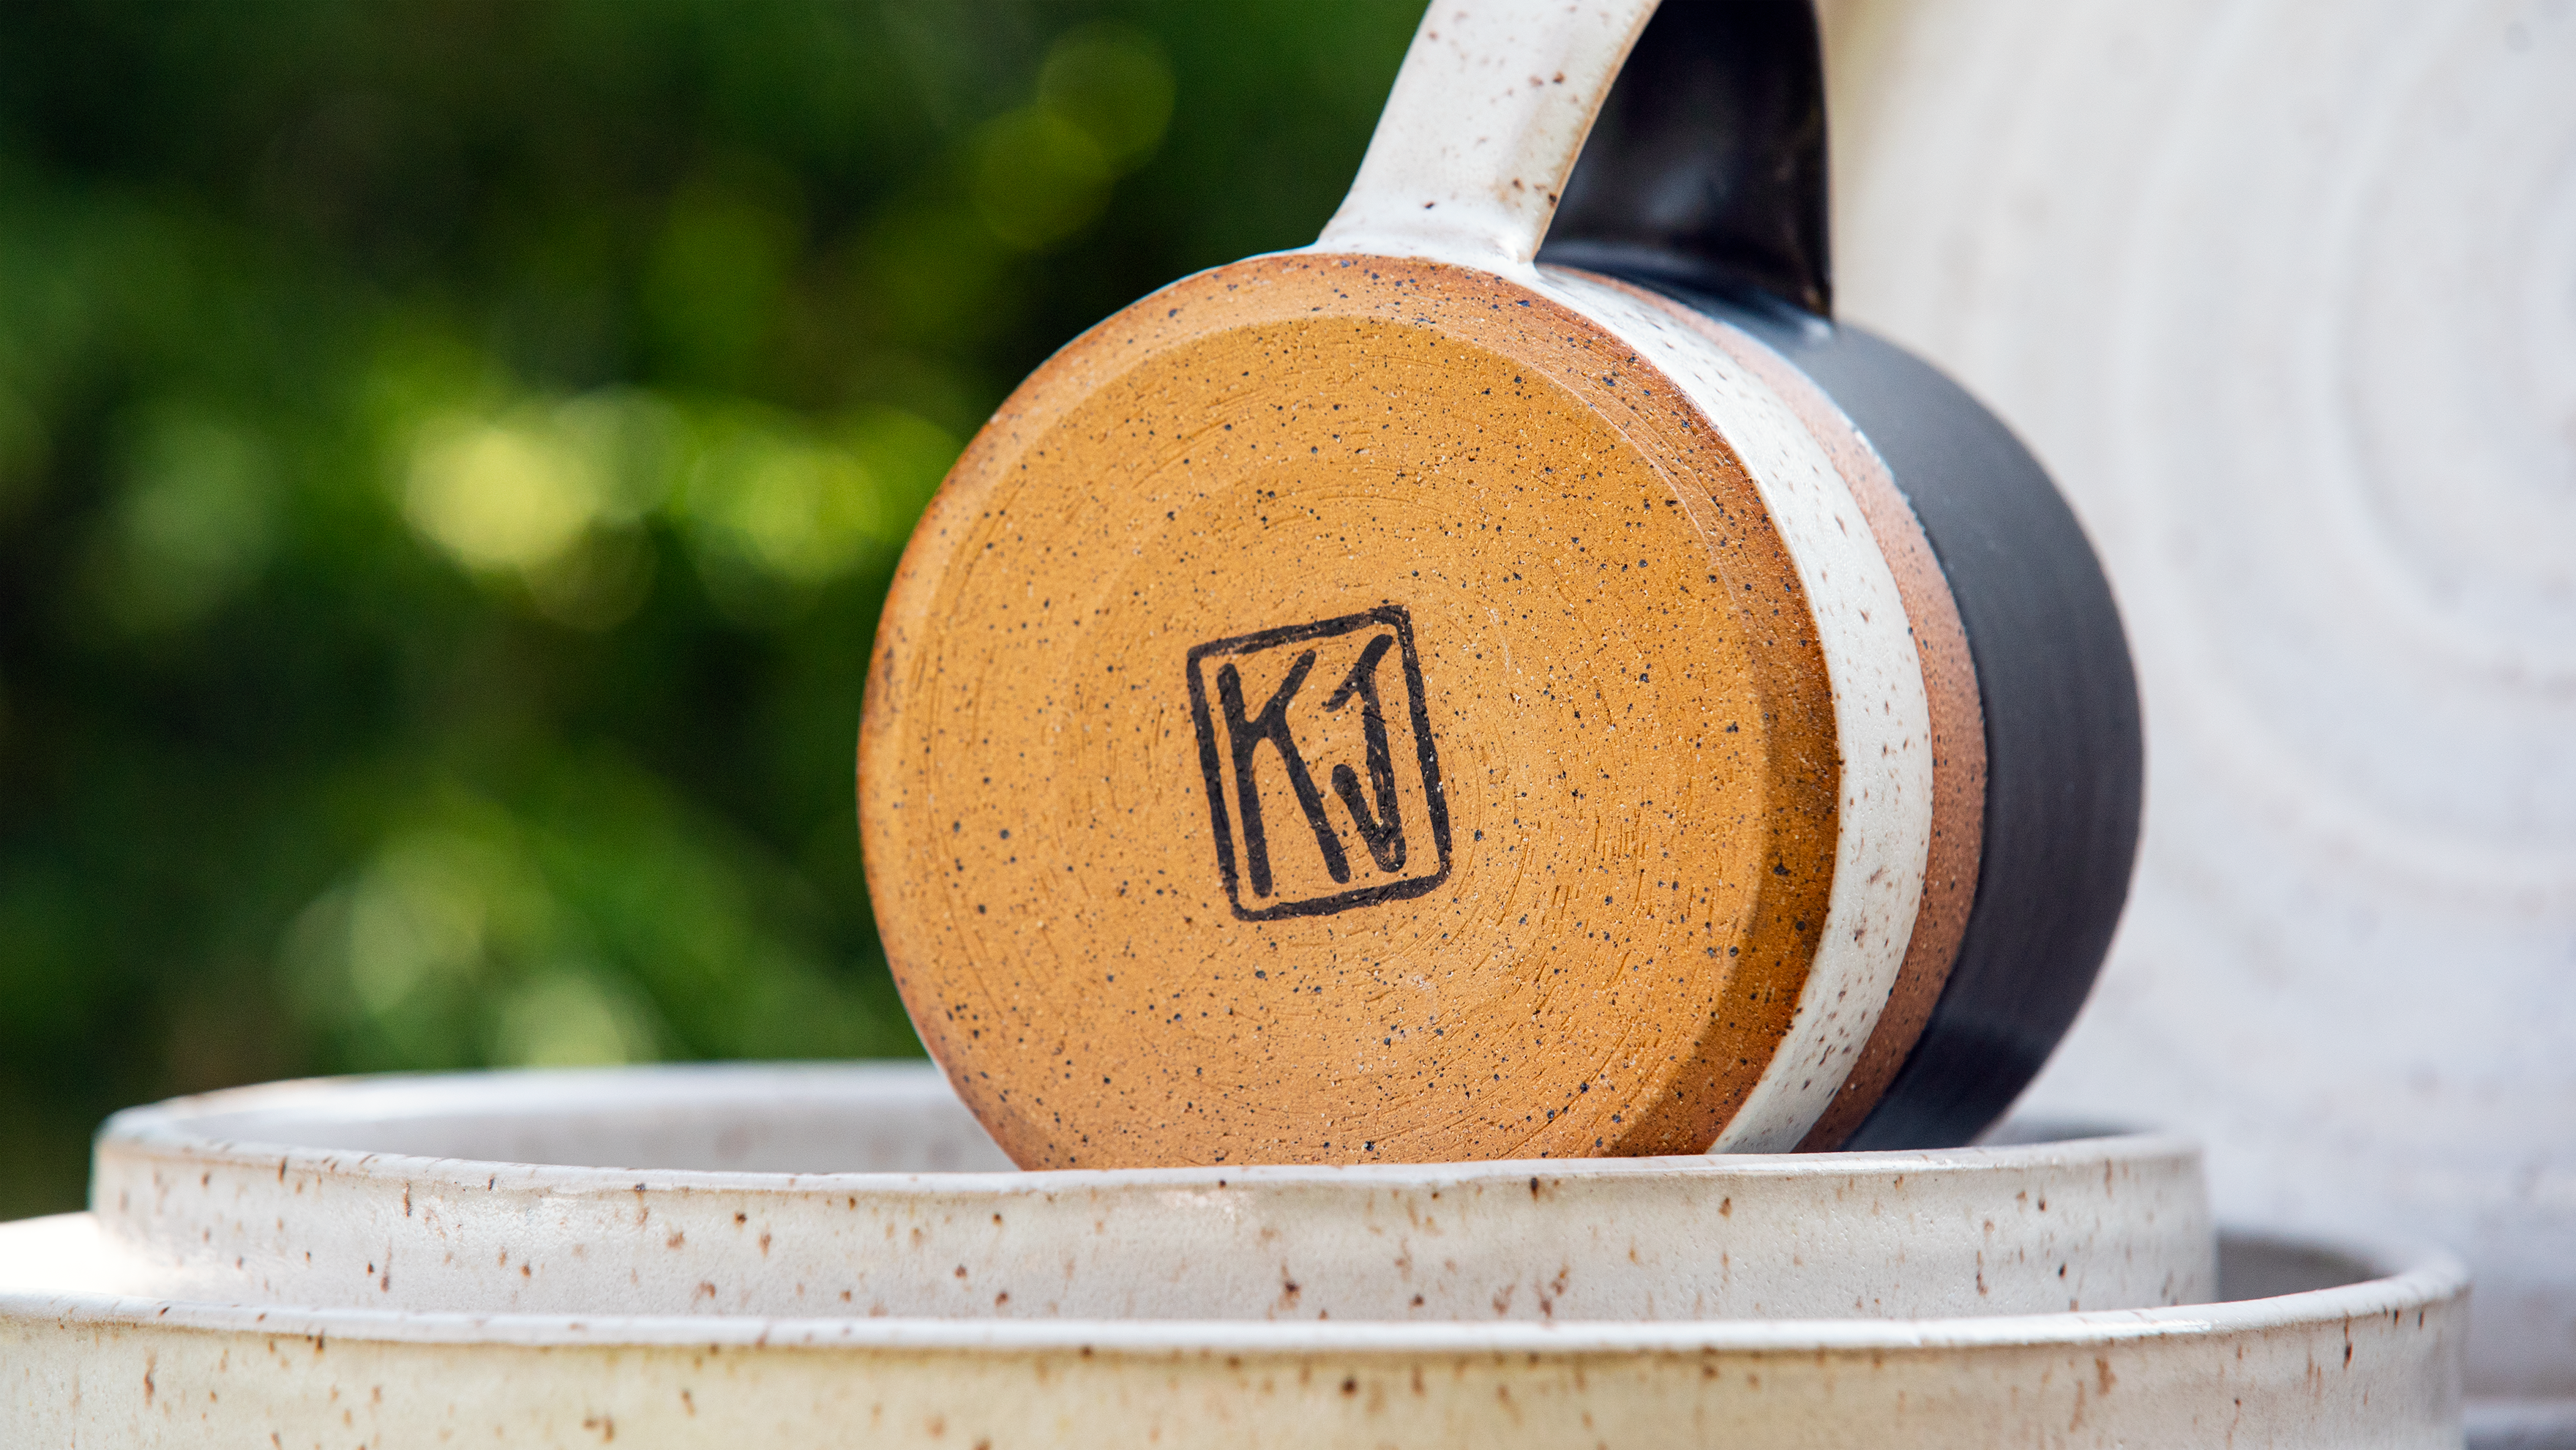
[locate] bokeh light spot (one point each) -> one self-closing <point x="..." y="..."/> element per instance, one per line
<point x="194" y="522"/>
<point x="570" y="1018"/>
<point x="498" y="496"/>
<point x="1038" y="177"/>
<point x="1114" y="82"/>
<point x="418" y="914"/>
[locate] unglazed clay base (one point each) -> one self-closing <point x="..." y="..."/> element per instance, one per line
<point x="1359" y="709"/>
<point x="1396" y="702"/>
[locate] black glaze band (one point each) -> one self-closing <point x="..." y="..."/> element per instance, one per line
<point x="2065" y="757"/>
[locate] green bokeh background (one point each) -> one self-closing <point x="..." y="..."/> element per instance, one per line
<point x="451" y="455"/>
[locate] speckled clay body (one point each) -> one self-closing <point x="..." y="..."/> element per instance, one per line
<point x="1598" y="967"/>
<point x="1392" y="702"/>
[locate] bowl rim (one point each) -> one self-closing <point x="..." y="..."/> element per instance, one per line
<point x="2407" y="1279"/>
<point x="223" y="1128"/>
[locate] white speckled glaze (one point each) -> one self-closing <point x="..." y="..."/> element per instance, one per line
<point x="429" y="1194"/>
<point x="2371" y="1363"/>
<point x="1483" y="126"/>
<point x="290" y="1265"/>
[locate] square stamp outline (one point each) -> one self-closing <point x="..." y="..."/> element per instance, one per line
<point x="1427" y="756"/>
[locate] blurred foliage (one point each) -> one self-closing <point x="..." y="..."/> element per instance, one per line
<point x="451" y="454"/>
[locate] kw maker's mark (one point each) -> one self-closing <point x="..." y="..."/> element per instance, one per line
<point x="1275" y="723"/>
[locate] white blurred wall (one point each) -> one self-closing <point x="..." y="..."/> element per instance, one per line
<point x="2284" y="292"/>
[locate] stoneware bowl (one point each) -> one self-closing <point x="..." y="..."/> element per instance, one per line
<point x="1395" y="701"/>
<point x="2372" y="1362"/>
<point x="346" y="1262"/>
<point x="855" y="1192"/>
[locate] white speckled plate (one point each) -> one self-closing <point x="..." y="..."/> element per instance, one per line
<point x="431" y="1194"/>
<point x="2371" y="1363"/>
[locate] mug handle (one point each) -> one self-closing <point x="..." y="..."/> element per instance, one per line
<point x="1482" y="129"/>
<point x="1710" y="170"/>
<point x="1706" y="169"/>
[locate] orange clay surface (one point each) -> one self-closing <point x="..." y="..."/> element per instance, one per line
<point x="1566" y="832"/>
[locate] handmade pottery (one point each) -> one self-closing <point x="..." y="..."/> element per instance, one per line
<point x="2372" y="1363"/>
<point x="1393" y="701"/>
<point x="838" y="1191"/>
<point x="288" y="1264"/>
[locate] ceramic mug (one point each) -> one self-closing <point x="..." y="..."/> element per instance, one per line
<point x="1395" y="700"/>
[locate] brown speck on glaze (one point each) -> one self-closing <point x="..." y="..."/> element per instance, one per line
<point x="2126" y="1220"/>
<point x="2369" y="1363"/>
